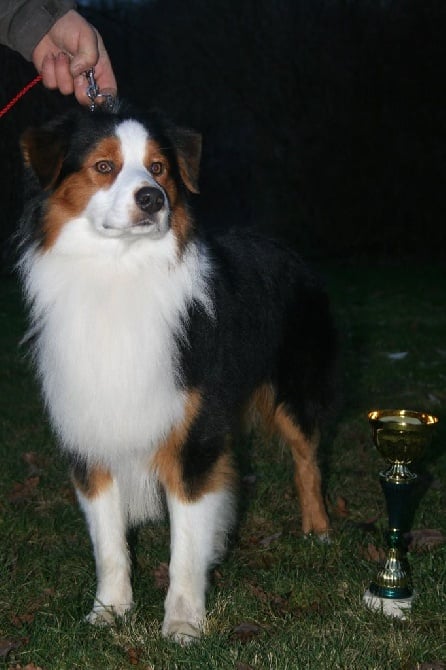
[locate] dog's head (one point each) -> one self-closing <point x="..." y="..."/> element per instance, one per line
<point x="122" y="176"/>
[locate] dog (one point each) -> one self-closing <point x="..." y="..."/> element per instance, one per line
<point x="151" y="336"/>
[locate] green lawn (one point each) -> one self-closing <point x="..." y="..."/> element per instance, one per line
<point x="278" y="600"/>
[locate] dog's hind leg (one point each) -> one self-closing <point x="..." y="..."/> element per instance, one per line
<point x="99" y="498"/>
<point x="307" y="474"/>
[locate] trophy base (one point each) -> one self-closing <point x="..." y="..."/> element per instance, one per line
<point x="393" y="607"/>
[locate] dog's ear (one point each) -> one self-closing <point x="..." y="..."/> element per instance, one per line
<point x="43" y="150"/>
<point x="188" y="147"/>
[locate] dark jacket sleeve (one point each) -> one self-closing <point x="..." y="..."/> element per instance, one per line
<point x="23" y="23"/>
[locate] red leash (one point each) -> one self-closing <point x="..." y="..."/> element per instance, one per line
<point x="4" y="110"/>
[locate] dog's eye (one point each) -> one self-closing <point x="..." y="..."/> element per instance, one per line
<point x="104" y="167"/>
<point x="156" y="168"/>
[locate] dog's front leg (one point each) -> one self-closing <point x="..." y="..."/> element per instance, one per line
<point x="198" y="532"/>
<point x="99" y="498"/>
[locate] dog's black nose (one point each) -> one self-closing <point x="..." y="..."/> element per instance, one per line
<point x="150" y="199"/>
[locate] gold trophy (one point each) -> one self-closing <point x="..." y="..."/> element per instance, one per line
<point x="401" y="436"/>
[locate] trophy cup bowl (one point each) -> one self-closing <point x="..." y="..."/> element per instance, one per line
<point x="401" y="437"/>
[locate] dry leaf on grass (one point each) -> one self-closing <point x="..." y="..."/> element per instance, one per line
<point x="338" y="507"/>
<point x="372" y="553"/>
<point x="304" y="611"/>
<point x="245" y="631"/>
<point x="33" y="606"/>
<point x="20" y="619"/>
<point x="341" y="507"/>
<point x="23" y="491"/>
<point x="34" y="461"/>
<point x="133" y="655"/>
<point x="266" y="541"/>
<point x="8" y="645"/>
<point x="243" y="666"/>
<point x="424" y="539"/>
<point x="278" y="604"/>
<point x="161" y="576"/>
<point x="366" y="526"/>
<point x="217" y="576"/>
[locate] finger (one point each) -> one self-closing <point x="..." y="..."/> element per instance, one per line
<point x="48" y="71"/>
<point x="104" y="72"/>
<point x="104" y="77"/>
<point x="63" y="75"/>
<point x="87" y="52"/>
<point x="106" y="80"/>
<point x="45" y="49"/>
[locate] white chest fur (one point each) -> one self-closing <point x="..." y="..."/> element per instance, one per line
<point x="106" y="350"/>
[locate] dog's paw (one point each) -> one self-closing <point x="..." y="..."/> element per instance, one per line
<point x="324" y="537"/>
<point x="106" y="616"/>
<point x="183" y="632"/>
<point x="102" y="616"/>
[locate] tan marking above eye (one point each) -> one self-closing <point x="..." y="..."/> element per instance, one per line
<point x="104" y="166"/>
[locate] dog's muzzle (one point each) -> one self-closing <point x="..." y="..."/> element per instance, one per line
<point x="126" y="211"/>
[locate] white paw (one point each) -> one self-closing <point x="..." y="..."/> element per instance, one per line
<point x="101" y="617"/>
<point x="106" y="616"/>
<point x="183" y="632"/>
<point x="325" y="537"/>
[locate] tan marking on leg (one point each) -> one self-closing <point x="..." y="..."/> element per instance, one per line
<point x="167" y="461"/>
<point x="94" y="483"/>
<point x="261" y="407"/>
<point x="221" y="477"/>
<point x="307" y="475"/>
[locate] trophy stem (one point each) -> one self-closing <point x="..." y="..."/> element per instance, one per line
<point x="393" y="580"/>
<point x="398" y="485"/>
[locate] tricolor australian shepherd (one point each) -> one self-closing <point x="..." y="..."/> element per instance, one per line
<point x="150" y="337"/>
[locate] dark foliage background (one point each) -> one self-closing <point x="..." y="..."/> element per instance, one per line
<point x="323" y="120"/>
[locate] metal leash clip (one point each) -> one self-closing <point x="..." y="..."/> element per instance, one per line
<point x="103" y="99"/>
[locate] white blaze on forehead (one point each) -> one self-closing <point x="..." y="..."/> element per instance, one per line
<point x="133" y="137"/>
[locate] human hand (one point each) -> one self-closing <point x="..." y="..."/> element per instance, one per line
<point x="71" y="47"/>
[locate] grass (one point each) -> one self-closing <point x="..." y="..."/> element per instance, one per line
<point x="278" y="601"/>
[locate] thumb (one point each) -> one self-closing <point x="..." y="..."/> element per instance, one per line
<point x="87" y="53"/>
<point x="80" y="90"/>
